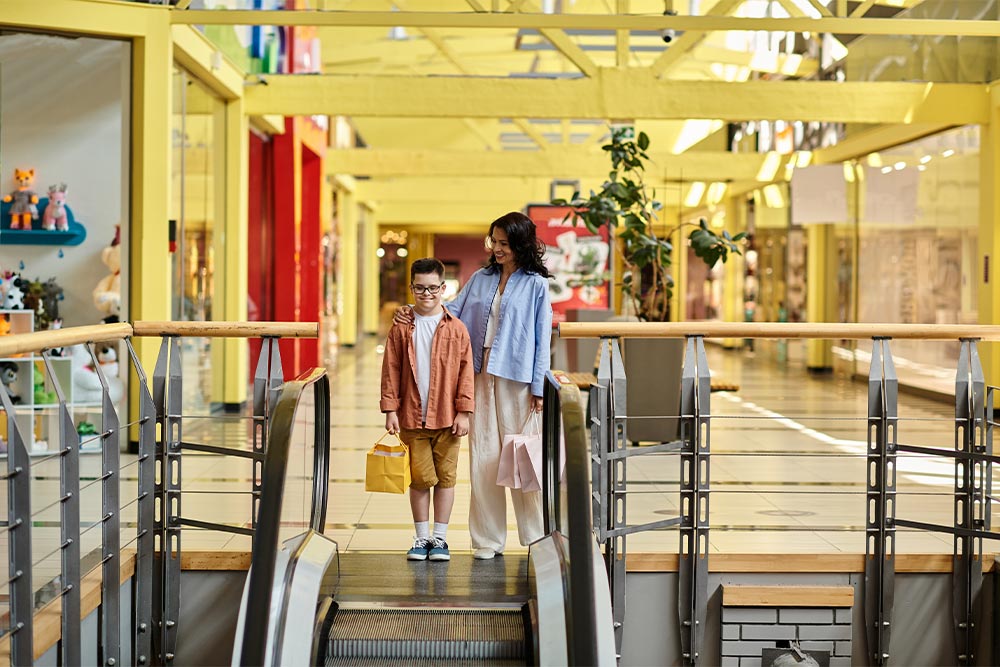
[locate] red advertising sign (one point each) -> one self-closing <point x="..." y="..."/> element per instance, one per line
<point x="577" y="260"/>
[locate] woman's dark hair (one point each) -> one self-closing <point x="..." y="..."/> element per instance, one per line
<point x="528" y="250"/>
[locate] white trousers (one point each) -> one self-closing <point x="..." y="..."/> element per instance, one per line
<point x="502" y="407"/>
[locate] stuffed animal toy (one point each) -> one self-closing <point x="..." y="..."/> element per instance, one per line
<point x="54" y="326"/>
<point x="42" y="397"/>
<point x="14" y="299"/>
<point x="108" y="293"/>
<point x="86" y="383"/>
<point x="55" y="213"/>
<point x="8" y="377"/>
<point x="4" y="325"/>
<point x="24" y="208"/>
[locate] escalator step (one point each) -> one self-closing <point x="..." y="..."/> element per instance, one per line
<point x="411" y="662"/>
<point x="430" y="634"/>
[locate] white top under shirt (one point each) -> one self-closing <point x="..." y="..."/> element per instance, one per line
<point x="423" y="338"/>
<point x="493" y="322"/>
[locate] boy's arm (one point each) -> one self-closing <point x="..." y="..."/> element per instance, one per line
<point x="465" y="390"/>
<point x="391" y="365"/>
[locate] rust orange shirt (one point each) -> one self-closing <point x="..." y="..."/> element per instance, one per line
<point x="451" y="387"/>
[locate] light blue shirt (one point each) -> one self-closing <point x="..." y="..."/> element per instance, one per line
<point x="520" y="351"/>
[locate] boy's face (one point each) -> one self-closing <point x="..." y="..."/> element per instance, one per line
<point x="427" y="289"/>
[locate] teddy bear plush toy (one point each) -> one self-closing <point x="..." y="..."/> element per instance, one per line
<point x="23" y="200"/>
<point x="108" y="293"/>
<point x="86" y="383"/>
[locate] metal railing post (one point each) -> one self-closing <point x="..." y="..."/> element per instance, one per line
<point x="970" y="514"/>
<point x="109" y="646"/>
<point x="69" y="523"/>
<point x="142" y="605"/>
<point x="18" y="541"/>
<point x="692" y="602"/>
<point x="610" y="442"/>
<point x="167" y="397"/>
<point x="267" y="379"/>
<point x="880" y="515"/>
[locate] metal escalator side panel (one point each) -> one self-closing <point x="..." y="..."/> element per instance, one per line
<point x="293" y="639"/>
<point x="281" y="566"/>
<point x="607" y="652"/>
<point x="548" y="563"/>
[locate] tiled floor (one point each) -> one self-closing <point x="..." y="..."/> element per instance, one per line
<point x="787" y="473"/>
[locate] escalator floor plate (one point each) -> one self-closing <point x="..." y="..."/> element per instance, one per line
<point x="429" y="634"/>
<point x="410" y="662"/>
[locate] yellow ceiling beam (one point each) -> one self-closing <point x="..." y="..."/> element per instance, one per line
<point x="619" y="93"/>
<point x="427" y="189"/>
<point x="270" y="124"/>
<point x="849" y="26"/>
<point x="457" y="216"/>
<point x="199" y="56"/>
<point x="621" y="37"/>
<point x="681" y="46"/>
<point x="464" y="211"/>
<point x="552" y="163"/>
<point x="760" y="61"/>
<point x="100" y="19"/>
<point x="874" y="140"/>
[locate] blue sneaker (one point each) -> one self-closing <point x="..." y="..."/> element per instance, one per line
<point x="421" y="546"/>
<point x="439" y="550"/>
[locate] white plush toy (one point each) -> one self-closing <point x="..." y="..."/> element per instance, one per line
<point x="86" y="383"/>
<point x="108" y="293"/>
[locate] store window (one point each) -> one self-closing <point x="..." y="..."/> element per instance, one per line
<point x="64" y="139"/>
<point x="918" y="233"/>
<point x="197" y="219"/>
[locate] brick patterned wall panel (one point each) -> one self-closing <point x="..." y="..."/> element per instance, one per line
<point x="747" y="631"/>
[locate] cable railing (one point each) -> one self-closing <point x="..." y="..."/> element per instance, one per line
<point x="95" y="513"/>
<point x="885" y="464"/>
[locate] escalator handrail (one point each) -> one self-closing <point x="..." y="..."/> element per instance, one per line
<point x="265" y="545"/>
<point x="563" y="410"/>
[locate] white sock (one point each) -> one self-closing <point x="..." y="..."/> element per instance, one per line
<point x="422" y="527"/>
<point x="440" y="530"/>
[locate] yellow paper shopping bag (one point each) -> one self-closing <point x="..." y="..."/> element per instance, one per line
<point x="387" y="468"/>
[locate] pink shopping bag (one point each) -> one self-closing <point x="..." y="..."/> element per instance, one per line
<point x="528" y="454"/>
<point x="508" y="473"/>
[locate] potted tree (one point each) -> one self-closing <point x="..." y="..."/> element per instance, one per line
<point x="626" y="207"/>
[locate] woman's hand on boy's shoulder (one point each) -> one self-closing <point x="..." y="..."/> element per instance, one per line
<point x="403" y="315"/>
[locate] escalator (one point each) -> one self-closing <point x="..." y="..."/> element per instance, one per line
<point x="305" y="603"/>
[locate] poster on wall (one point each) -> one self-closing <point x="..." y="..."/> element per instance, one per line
<point x="576" y="258"/>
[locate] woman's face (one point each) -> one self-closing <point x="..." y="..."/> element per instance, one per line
<point x="501" y="248"/>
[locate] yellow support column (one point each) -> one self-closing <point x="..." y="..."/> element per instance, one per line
<point x="987" y="275"/>
<point x="347" y="278"/>
<point x="149" y="259"/>
<point x="820" y="279"/>
<point x="679" y="270"/>
<point x="369" y="271"/>
<point x="732" y="271"/>
<point x="236" y="249"/>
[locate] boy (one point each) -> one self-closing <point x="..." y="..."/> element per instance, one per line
<point x="427" y="397"/>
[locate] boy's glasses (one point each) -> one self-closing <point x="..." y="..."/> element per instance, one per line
<point x="426" y="289"/>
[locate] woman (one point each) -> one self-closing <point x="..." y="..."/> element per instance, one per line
<point x="506" y="308"/>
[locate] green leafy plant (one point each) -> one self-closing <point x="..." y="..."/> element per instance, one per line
<point x="625" y="206"/>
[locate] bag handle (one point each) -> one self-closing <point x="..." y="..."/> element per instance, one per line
<point x="532" y="420"/>
<point x="395" y="435"/>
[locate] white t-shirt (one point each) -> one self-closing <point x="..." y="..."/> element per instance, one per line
<point x="493" y="322"/>
<point x="423" y="337"/>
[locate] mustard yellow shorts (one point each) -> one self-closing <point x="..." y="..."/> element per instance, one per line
<point x="433" y="457"/>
